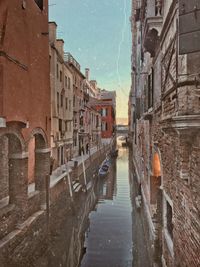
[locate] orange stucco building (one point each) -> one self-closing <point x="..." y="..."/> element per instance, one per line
<point x="106" y="106"/>
<point x="24" y="105"/>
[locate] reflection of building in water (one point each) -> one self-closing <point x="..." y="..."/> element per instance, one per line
<point x="81" y="224"/>
<point x="67" y="237"/>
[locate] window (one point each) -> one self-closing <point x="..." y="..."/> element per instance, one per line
<point x="60" y="76"/>
<point x="150" y="89"/>
<point x="58" y="155"/>
<point x="70" y="104"/>
<point x="60" y="125"/>
<point x="74" y="101"/>
<point x="66" y="126"/>
<point x="58" y="101"/>
<point x="169" y="219"/>
<point x="106" y="126"/>
<point x="39" y="3"/>
<point x="66" y="103"/>
<point x="61" y="100"/>
<point x="57" y="71"/>
<point x="104" y="112"/>
<point x="103" y="126"/>
<point x="66" y="81"/>
<point x="69" y="83"/>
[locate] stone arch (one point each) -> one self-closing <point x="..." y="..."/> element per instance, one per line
<point x="151" y="41"/>
<point x="20" y="145"/>
<point x="39" y="162"/>
<point x="13" y="171"/>
<point x="41" y="137"/>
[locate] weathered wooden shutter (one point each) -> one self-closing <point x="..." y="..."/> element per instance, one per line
<point x="189" y="26"/>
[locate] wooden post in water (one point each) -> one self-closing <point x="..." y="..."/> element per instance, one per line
<point x="70" y="186"/>
<point x="84" y="174"/>
<point x="47" y="185"/>
<point x="47" y="182"/>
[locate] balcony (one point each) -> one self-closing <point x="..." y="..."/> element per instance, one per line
<point x="152" y="26"/>
<point x="70" y="59"/>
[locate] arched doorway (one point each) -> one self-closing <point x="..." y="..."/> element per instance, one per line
<point x="39" y="163"/>
<point x="156" y="200"/>
<point x="155" y="178"/>
<point x="13" y="175"/>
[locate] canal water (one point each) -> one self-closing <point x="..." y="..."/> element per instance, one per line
<point x="108" y="240"/>
<point x="105" y="229"/>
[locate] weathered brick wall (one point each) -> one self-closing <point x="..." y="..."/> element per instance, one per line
<point x="175" y="94"/>
<point x="4" y="173"/>
<point x="24" y="232"/>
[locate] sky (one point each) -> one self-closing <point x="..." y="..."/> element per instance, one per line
<point x="97" y="33"/>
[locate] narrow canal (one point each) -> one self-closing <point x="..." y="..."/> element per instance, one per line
<point x="109" y="238"/>
<point x="105" y="229"/>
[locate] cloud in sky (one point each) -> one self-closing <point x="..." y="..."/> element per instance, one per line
<point x="92" y="31"/>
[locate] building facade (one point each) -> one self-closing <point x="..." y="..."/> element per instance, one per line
<point x="24" y="110"/>
<point x="61" y="101"/>
<point x="164" y="121"/>
<point x="78" y="103"/>
<point x="92" y="118"/>
<point x="106" y="105"/>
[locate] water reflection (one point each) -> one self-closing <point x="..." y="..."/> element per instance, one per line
<point x="105" y="229"/>
<point x="109" y="239"/>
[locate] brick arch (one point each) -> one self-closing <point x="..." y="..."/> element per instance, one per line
<point x="13" y="171"/>
<point x="16" y="136"/>
<point x="39" y="161"/>
<point x="41" y="138"/>
<point x="156" y="174"/>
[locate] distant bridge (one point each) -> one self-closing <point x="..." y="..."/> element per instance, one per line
<point x="121" y="130"/>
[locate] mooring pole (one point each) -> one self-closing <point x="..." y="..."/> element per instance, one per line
<point x="47" y="182"/>
<point x="70" y="186"/>
<point x="84" y="174"/>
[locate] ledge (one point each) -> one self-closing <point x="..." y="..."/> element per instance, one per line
<point x="181" y="123"/>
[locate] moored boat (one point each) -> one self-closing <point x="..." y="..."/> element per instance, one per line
<point x="104" y="168"/>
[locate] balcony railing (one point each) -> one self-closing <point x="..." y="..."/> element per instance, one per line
<point x="70" y="59"/>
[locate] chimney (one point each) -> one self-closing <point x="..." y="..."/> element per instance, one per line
<point x="52" y="32"/>
<point x="87" y="74"/>
<point x="60" y="47"/>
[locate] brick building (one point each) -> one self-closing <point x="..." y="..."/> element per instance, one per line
<point x="106" y="105"/>
<point x="164" y="121"/>
<point x="61" y="101"/>
<point x="24" y="110"/>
